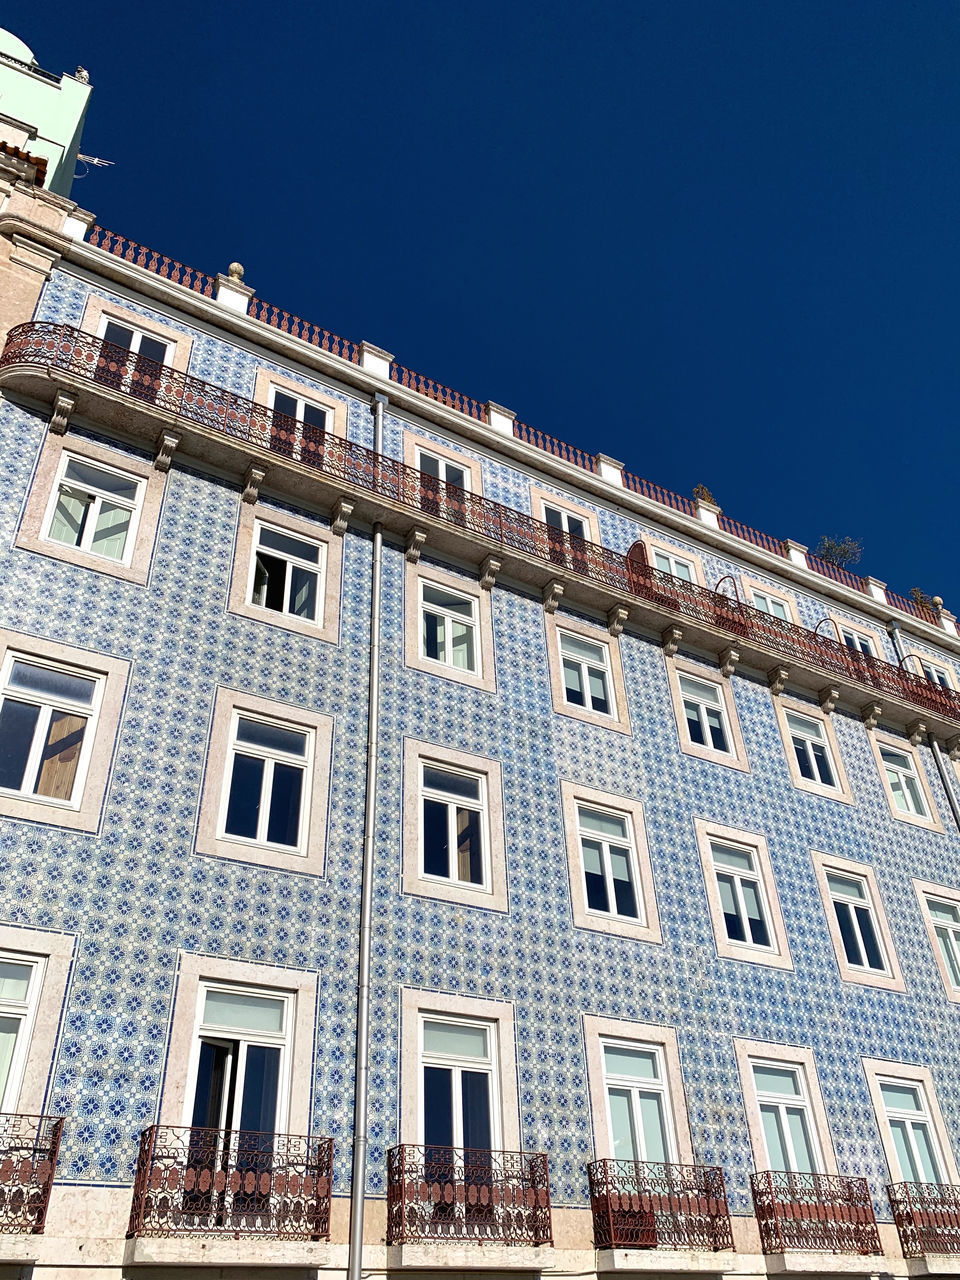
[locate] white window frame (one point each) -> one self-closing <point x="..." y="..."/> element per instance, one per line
<point x="630" y="843"/>
<point x="443" y="462"/>
<point x="618" y="717"/>
<point x="48" y="706"/>
<point x="283" y="1040"/>
<point x="884" y="1071"/>
<point x="838" y="897"/>
<point x="585" y="667"/>
<point x="565" y="518"/>
<point x="915" y="804"/>
<point x="848" y="633"/>
<point x="660" y="1086"/>
<point x="890" y="978"/>
<point x="305" y="763"/>
<point x="784" y="706"/>
<point x="701" y="706"/>
<point x="802" y="1102"/>
<point x="320" y="569"/>
<point x="735" y="757"/>
<point x="930" y="818"/>
<point x="301" y="401"/>
<point x="808" y="738"/>
<point x="755" y="877"/>
<point x="453" y="803"/>
<point x="457" y="1064"/>
<point x="122" y="322"/>
<point x="947" y="897"/>
<point x="449" y="618"/>
<point x="910" y="1118"/>
<point x="26" y="1012"/>
<point x="949" y="949"/>
<point x="673" y="560"/>
<point x="99" y="496"/>
<point x="769" y="599"/>
<point x="777" y="954"/>
<point x="934" y="672"/>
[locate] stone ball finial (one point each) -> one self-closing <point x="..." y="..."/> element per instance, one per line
<point x="82" y="74"/>
<point x="235" y="272"/>
<point x="937" y="602"/>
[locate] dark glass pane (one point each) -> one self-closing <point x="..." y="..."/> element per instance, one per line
<point x="573" y="683"/>
<point x="731" y="912"/>
<point x="694" y="728"/>
<point x="118" y="334"/>
<point x="803" y="759"/>
<point x="469" y="849"/>
<point x="848" y="932"/>
<point x="269" y="581"/>
<point x="282" y="542"/>
<point x="717" y="733"/>
<point x="436" y="847"/>
<point x="553" y="517"/>
<point x="243" y="806"/>
<point x="303" y="593"/>
<point x="456" y="784"/>
<point x="211" y="1083"/>
<point x="432" y="632"/>
<point x="283" y="824"/>
<point x="759" y="933"/>
<point x="151" y="349"/>
<point x="475" y="1096"/>
<point x="18" y="720"/>
<point x="314" y="417"/>
<point x="576" y="528"/>
<point x="54" y="684"/>
<point x="272" y="737"/>
<point x="868" y="934"/>
<point x="258" y="1106"/>
<point x="429" y="466"/>
<point x="823" y="764"/>
<point x="284" y="404"/>
<point x="597" y="899"/>
<point x="623" y="890"/>
<point x="437" y="1107"/>
<point x="455" y="476"/>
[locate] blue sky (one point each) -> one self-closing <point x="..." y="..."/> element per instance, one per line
<point x="716" y="239"/>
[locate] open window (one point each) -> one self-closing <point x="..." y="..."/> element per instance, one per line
<point x="742" y="896"/>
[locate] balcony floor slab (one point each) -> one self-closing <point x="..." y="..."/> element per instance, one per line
<point x="653" y="1263"/>
<point x="804" y="1263"/>
<point x="936" y="1264"/>
<point x="469" y="1255"/>
<point x="213" y="1251"/>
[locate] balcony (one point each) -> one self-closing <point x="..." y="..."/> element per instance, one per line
<point x="28" y="1159"/>
<point x="196" y="1183"/>
<point x="140" y="397"/>
<point x="815" y="1213"/>
<point x="642" y="1205"/>
<point x="927" y="1215"/>
<point x="445" y="1201"/>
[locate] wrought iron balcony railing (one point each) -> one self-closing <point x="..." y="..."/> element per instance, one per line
<point x="28" y="1159"/>
<point x="814" y="1212"/>
<point x="80" y="355"/>
<point x="927" y="1215"/>
<point x="644" y="1205"/>
<point x="448" y="1193"/>
<point x="211" y="1182"/>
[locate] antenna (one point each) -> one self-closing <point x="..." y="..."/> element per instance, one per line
<point x="94" y="160"/>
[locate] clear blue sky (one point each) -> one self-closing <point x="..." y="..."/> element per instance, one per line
<point x="717" y="239"/>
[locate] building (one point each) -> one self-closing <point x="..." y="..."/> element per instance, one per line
<point x="649" y="882"/>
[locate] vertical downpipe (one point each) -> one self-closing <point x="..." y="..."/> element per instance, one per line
<point x="894" y="628"/>
<point x="358" y="1177"/>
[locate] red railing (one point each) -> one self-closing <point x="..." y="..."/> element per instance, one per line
<point x="666" y="498"/>
<point x="82" y="356"/>
<point x="28" y="1159"/>
<point x="751" y="535"/>
<point x="405" y="377"/>
<point x="834" y="571"/>
<point x="303" y="329"/>
<point x="814" y="1212"/>
<point x="550" y="444"/>
<point x="924" y="611"/>
<point x="448" y="1193"/>
<point x="927" y="1215"/>
<point x="200" y="1182"/>
<point x="150" y="260"/>
<point x="643" y="1205"/>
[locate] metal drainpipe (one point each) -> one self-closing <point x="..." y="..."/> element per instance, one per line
<point x="361" y="1092"/>
<point x="894" y="628"/>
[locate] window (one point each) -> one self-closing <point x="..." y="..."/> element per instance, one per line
<point x="443" y="483"/>
<point x="907" y="1114"/>
<point x="140" y="375"/>
<point x="857" y="641"/>
<point x="946" y="925"/>
<point x="453" y="826"/>
<point x="47" y="718"/>
<point x="811" y="749"/>
<point x="586" y="677"/>
<point x="443" y="469"/>
<point x="854" y="914"/>
<point x="286" y="574"/>
<point x="771" y="604"/>
<point x="788" y="1130"/>
<point x="609" y="863"/>
<point x="667" y="562"/>
<point x="448" y="631"/>
<point x="857" y="923"/>
<point x="458" y="1107"/>
<point x="933" y="673"/>
<point x="565" y="522"/>
<point x="298" y="425"/>
<point x="705" y="720"/>
<point x="742" y="896"/>
<point x="902" y="781"/>
<point x="20" y="981"/>
<point x="266" y="794"/>
<point x="638" y="1103"/>
<point x="94" y="509"/>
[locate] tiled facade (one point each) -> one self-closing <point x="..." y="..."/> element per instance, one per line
<point x="135" y="895"/>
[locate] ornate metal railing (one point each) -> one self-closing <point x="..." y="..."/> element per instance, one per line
<point x="277" y="318"/>
<point x="774" y="545"/>
<point x="201" y="1182"/>
<point x="814" y="1212"/>
<point x="642" y="1205"/>
<point x="424" y="386"/>
<point x="559" y="449"/>
<point x="924" y="611"/>
<point x="52" y="346"/>
<point x="448" y="1193"/>
<point x="829" y="570"/>
<point x="28" y="1159"/>
<point x="927" y="1215"/>
<point x="150" y="260"/>
<point x="666" y="497"/>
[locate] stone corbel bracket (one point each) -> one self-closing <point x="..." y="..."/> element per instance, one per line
<point x="916" y="732"/>
<point x="828" y="698"/>
<point x="167" y="443"/>
<point x="552" y="595"/>
<point x="342" y="511"/>
<point x="729" y="658"/>
<point x="63" y="406"/>
<point x="870" y="713"/>
<point x="616" y="617"/>
<point x="412" y="547"/>
<point x="251" y="483"/>
<point x="488" y="572"/>
<point x="671" y="641"/>
<point x="953" y="747"/>
<point x="777" y="678"/>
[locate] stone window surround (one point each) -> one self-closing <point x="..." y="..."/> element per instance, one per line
<point x="750" y="584"/>
<point x="114" y="673"/>
<point x="943" y="663"/>
<point x="880" y="738"/>
<point x="226" y="702"/>
<point x="415" y="1001"/>
<point x="588" y="515"/>
<point x="652" y="543"/>
<point x="733" y="759"/>
<point x="486" y="677"/>
<point x="748" y="1051"/>
<point x="924" y="888"/>
<point x="179" y="344"/>
<point x="57" y="952"/>
<point x="192" y="969"/>
<point x="876" y="634"/>
<point x="573" y="793"/>
<point x="874" y="1069"/>
<point x="336" y="408"/>
<point x="153" y="485"/>
<point x="783" y="703"/>
<point x="892" y="981"/>
<point x="757" y="844"/>
<point x="492" y="899"/>
<point x="620" y="720"/>
<point x="595" y="1030"/>
<point x="412" y="443"/>
<point x="300" y="526"/>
